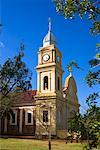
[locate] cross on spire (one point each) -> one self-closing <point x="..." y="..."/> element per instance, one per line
<point x="49" y="20"/>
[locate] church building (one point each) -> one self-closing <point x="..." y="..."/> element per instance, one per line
<point x="49" y="108"/>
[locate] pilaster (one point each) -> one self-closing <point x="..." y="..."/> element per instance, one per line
<point x="21" y="120"/>
<point x="5" y="125"/>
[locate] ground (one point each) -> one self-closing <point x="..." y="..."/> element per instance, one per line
<point x="30" y="144"/>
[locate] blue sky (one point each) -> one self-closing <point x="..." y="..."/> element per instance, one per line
<point x="27" y="21"/>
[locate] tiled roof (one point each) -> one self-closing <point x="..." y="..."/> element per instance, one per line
<point x="25" y="98"/>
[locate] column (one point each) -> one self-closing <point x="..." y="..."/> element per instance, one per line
<point x="38" y="81"/>
<point x="5" y="125"/>
<point x="53" y="81"/>
<point x="53" y="55"/>
<point x="20" y="120"/>
<point x="49" y="82"/>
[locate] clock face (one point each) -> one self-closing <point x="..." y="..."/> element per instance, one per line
<point x="46" y="57"/>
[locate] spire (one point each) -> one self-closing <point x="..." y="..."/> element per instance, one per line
<point x="49" y="20"/>
<point x="49" y="39"/>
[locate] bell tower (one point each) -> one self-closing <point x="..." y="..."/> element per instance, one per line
<point x="49" y="68"/>
<point x="49" y="84"/>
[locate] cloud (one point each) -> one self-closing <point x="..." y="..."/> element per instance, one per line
<point x="2" y="44"/>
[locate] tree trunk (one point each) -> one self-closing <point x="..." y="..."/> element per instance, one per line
<point x="49" y="141"/>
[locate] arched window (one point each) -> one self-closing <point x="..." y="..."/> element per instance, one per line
<point x="45" y="86"/>
<point x="58" y="83"/>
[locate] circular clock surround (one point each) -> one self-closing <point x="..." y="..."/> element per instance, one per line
<point x="46" y="57"/>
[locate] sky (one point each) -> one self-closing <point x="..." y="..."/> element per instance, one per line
<point x="27" y="21"/>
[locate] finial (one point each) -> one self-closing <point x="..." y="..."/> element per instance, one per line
<point x="49" y="20"/>
<point x="70" y="70"/>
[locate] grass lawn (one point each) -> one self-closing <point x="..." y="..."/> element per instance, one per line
<point x="30" y="144"/>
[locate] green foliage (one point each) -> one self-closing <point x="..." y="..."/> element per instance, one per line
<point x="72" y="64"/>
<point x="92" y="116"/>
<point x="78" y="125"/>
<point x="93" y="122"/>
<point x="84" y="8"/>
<point x="91" y="99"/>
<point x="93" y="78"/>
<point x="14" y="78"/>
<point x="96" y="62"/>
<point x="98" y="55"/>
<point x="88" y="123"/>
<point x="96" y="28"/>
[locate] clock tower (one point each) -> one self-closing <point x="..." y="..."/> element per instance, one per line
<point x="49" y="68"/>
<point x="49" y="84"/>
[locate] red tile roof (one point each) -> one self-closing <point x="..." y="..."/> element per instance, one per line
<point x="25" y="98"/>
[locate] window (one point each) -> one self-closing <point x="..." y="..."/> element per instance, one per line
<point x="45" y="116"/>
<point x="13" y="117"/>
<point x="45" y="86"/>
<point x="29" y="117"/>
<point x="58" y="83"/>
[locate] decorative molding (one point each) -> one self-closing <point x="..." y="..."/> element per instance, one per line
<point x="27" y="107"/>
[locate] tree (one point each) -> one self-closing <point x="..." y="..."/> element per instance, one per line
<point x="87" y="9"/>
<point x="84" y="8"/>
<point x="89" y="123"/>
<point x="93" y="113"/>
<point x="77" y="124"/>
<point x="93" y="77"/>
<point x="14" y="79"/>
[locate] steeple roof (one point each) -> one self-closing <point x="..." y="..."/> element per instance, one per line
<point x="49" y="38"/>
<point x="70" y="81"/>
